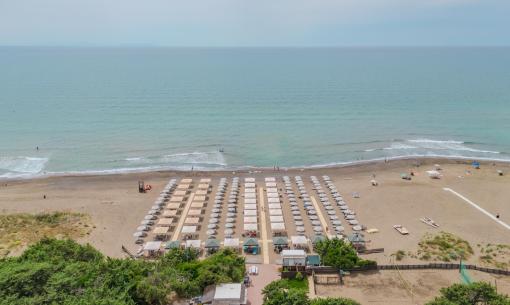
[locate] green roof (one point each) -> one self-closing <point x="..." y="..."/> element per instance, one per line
<point x="317" y="238"/>
<point x="251" y="242"/>
<point x="313" y="260"/>
<point x="212" y="243"/>
<point x="278" y="241"/>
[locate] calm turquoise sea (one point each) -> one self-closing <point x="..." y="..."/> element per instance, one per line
<point x="121" y="109"/>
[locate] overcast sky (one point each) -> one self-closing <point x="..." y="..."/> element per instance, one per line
<point x="255" y="22"/>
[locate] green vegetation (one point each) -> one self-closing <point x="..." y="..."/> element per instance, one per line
<point x="475" y="293"/>
<point x="443" y="247"/>
<point x="497" y="256"/>
<point x="64" y="272"/>
<point x="20" y="230"/>
<point x="288" y="292"/>
<point x="399" y="255"/>
<point x="340" y="254"/>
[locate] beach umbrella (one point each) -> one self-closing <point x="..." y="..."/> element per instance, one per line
<point x="316" y="223"/>
<point x="231" y="214"/>
<point x="215" y="215"/>
<point x="212" y="226"/>
<point x="297" y="217"/>
<point x="350" y="217"/>
<point x="216" y="210"/>
<point x="313" y="217"/>
<point x="147" y="222"/>
<point x="333" y="217"/>
<point x="210" y="232"/>
<point x="331" y="212"/>
<point x="229" y="225"/>
<point x="143" y="228"/>
<point x="300" y="229"/>
<point x="139" y="234"/>
<point x="213" y="220"/>
<point x="295" y="213"/>
<point x="299" y="223"/>
<point x="336" y="222"/>
<point x="353" y="222"/>
<point x="149" y="217"/>
<point x="230" y="220"/>
<point x="228" y="232"/>
<point x="357" y="228"/>
<point x="339" y="229"/>
<point x="317" y="229"/>
<point x="233" y="210"/>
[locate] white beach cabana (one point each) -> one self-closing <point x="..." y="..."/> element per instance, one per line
<point x="197" y="204"/>
<point x="273" y="200"/>
<point x="250" y="219"/>
<point x="250" y="212"/>
<point x="199" y="198"/>
<point x="201" y="192"/>
<point x="274" y="206"/>
<point x="275" y="212"/>
<point x="249" y="179"/>
<point x="195" y="212"/>
<point x="189" y="229"/>
<point x="250" y="206"/>
<point x="231" y="243"/>
<point x="176" y="199"/>
<point x="273" y="195"/>
<point x="299" y="242"/>
<point x="169" y="213"/>
<point x="250" y="201"/>
<point x="276" y="218"/>
<point x="193" y="244"/>
<point x="271" y="184"/>
<point x="173" y="206"/>
<point x="250" y="195"/>
<point x="249" y="185"/>
<point x="165" y="222"/>
<point x="277" y="226"/>
<point x="192" y="220"/>
<point x="250" y="227"/>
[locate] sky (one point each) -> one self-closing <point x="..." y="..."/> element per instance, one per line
<point x="256" y="23"/>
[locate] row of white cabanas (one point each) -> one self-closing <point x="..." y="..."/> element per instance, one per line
<point x="250" y="209"/>
<point x="275" y="209"/>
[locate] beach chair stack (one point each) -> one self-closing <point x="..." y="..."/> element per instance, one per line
<point x="230" y="222"/>
<point x="349" y="215"/>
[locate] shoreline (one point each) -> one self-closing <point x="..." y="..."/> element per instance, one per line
<point x="399" y="160"/>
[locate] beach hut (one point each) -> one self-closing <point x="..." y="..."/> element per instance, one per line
<point x="299" y="242"/>
<point x="174" y="244"/>
<point x="212" y="245"/>
<point x="152" y="248"/>
<point x="280" y="243"/>
<point x="225" y="294"/>
<point x="232" y="243"/>
<point x="315" y="239"/>
<point x="251" y="246"/>
<point x="277" y="228"/>
<point x="294" y="259"/>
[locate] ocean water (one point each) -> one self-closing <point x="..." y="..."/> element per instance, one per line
<point x="128" y="109"/>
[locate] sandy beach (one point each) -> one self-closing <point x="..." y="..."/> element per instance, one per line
<point x="116" y="209"/>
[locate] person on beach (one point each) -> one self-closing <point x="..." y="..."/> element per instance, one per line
<point x="497" y="215"/>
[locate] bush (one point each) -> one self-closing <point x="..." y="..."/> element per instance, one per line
<point x="340" y="254"/>
<point x="475" y="293"/>
<point x="299" y="276"/>
<point x="64" y="272"/>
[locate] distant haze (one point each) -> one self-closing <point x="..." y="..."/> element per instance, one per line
<point x="255" y="23"/>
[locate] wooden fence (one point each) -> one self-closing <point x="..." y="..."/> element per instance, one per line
<point x="330" y="270"/>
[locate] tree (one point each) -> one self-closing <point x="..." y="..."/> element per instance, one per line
<point x="339" y="254"/>
<point x="474" y="293"/>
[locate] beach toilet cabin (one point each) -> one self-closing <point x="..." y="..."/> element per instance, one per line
<point x="358" y="241"/>
<point x="225" y="294"/>
<point x="294" y="260"/>
<point x="251" y="246"/>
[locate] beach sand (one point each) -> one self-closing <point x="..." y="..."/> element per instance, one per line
<point x="116" y="209"/>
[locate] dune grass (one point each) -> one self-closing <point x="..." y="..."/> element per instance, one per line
<point x="20" y="230"/>
<point x="444" y="247"/>
<point x="495" y="255"/>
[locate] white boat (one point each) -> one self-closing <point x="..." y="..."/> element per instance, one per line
<point x="401" y="229"/>
<point x="430" y="222"/>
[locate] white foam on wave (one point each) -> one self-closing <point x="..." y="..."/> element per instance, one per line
<point x="205" y="158"/>
<point x="429" y="146"/>
<point x="27" y="165"/>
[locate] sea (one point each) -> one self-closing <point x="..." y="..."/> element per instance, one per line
<point x="108" y="110"/>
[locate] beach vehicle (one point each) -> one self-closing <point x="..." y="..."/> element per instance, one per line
<point x="429" y="221"/>
<point x="401" y="229"/>
<point x="405" y="176"/>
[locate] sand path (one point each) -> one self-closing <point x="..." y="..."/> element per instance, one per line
<point x="265" y="252"/>
<point x="183" y="217"/>
<point x="321" y="217"/>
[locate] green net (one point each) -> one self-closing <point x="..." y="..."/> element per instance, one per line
<point x="464" y="275"/>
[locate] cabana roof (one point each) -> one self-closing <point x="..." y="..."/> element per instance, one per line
<point x="251" y="242"/>
<point x="212" y="243"/>
<point x="152" y="246"/>
<point x="277" y="226"/>
<point x="317" y="238"/>
<point x="250" y="227"/>
<point x="160" y="230"/>
<point x="189" y="229"/>
<point x="193" y="243"/>
<point x="280" y="241"/>
<point x="173" y="244"/>
<point x="299" y="240"/>
<point x="231" y="242"/>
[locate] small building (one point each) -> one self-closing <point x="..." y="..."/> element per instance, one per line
<point x="293" y="259"/>
<point x="251" y="246"/>
<point x="313" y="260"/>
<point x="225" y="294"/>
